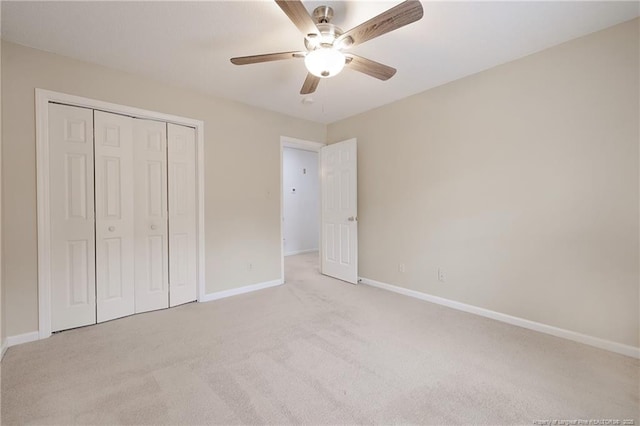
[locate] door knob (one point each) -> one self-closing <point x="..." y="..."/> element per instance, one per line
<point x="112" y="228"/>
<point x="353" y="219"/>
<point x="154" y="227"/>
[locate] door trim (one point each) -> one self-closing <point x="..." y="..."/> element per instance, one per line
<point x="42" y="99"/>
<point x="289" y="142"/>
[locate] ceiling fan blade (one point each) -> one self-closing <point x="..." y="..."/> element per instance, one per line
<point x="398" y="16"/>
<point x="369" y="67"/>
<point x="310" y="84"/>
<point x="298" y="14"/>
<point x="254" y="59"/>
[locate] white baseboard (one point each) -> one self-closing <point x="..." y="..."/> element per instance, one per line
<point x="34" y="335"/>
<point x="620" y="348"/>
<point x="22" y="338"/>
<point x="292" y="253"/>
<point x="240" y="290"/>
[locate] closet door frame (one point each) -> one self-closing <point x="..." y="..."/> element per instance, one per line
<point x="42" y="100"/>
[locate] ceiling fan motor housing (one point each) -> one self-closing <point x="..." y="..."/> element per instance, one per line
<point x="328" y="34"/>
<point x="324" y="58"/>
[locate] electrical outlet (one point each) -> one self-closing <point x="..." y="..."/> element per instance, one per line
<point x="401" y="267"/>
<point x="441" y="276"/>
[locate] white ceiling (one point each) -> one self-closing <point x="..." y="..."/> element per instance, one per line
<point x="189" y="44"/>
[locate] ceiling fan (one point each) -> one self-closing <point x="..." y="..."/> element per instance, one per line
<point x="326" y="44"/>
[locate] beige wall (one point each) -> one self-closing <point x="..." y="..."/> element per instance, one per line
<point x="242" y="171"/>
<point x="521" y="182"/>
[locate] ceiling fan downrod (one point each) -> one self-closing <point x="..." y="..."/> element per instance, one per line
<point x="323" y="14"/>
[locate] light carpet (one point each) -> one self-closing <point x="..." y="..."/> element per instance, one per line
<point x="314" y="351"/>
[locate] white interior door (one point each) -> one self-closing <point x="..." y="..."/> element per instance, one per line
<point x="150" y="205"/>
<point x="182" y="214"/>
<point x="114" y="215"/>
<point x="339" y="257"/>
<point x="73" y="296"/>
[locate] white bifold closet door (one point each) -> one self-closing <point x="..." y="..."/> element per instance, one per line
<point x="114" y="190"/>
<point x="150" y="176"/>
<point x="182" y="214"/>
<point x="123" y="205"/>
<point x="72" y="243"/>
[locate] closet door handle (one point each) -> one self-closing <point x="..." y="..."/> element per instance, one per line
<point x="154" y="227"/>
<point x="112" y="228"/>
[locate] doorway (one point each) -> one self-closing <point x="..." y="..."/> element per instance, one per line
<point x="337" y="207"/>
<point x="300" y="203"/>
<point x="300" y="198"/>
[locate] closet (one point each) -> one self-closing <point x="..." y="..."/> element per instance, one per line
<point x="122" y="212"/>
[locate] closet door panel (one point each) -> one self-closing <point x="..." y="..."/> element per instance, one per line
<point x="114" y="216"/>
<point x="151" y="233"/>
<point x="73" y="296"/>
<point x="182" y="214"/>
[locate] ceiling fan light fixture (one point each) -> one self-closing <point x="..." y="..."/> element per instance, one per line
<point x="324" y="62"/>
